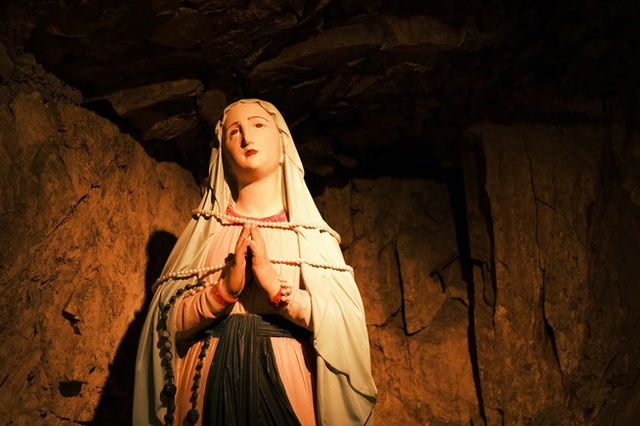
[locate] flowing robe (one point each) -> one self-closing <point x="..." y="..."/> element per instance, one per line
<point x="196" y="310"/>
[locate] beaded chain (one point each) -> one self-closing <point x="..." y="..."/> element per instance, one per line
<point x="168" y="393"/>
<point x="267" y="223"/>
<point x="193" y="415"/>
<point x="262" y="223"/>
<point x="294" y="262"/>
<point x="188" y="272"/>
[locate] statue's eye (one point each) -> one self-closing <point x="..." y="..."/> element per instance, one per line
<point x="259" y="125"/>
<point x="233" y="132"/>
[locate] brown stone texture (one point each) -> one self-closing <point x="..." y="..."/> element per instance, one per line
<point x="400" y="238"/>
<point x="86" y="217"/>
<point x="553" y="236"/>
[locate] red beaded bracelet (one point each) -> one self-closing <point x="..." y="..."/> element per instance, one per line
<point x="220" y="298"/>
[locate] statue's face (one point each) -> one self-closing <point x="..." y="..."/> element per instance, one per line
<point x="251" y="142"/>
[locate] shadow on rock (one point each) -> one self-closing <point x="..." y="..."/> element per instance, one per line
<point x="116" y="402"/>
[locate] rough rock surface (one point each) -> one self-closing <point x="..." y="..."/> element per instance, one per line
<point x="553" y="231"/>
<point x="87" y="220"/>
<point x="399" y="236"/>
<point x="147" y="65"/>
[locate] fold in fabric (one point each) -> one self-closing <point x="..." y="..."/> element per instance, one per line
<point x="243" y="385"/>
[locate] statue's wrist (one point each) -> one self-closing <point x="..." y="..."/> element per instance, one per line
<point x="261" y="266"/>
<point x="228" y="289"/>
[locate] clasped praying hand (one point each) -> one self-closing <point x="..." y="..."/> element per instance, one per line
<point x="250" y="259"/>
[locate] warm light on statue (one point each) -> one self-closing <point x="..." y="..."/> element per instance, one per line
<point x="256" y="319"/>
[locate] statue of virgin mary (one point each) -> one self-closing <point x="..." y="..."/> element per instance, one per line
<point x="255" y="319"/>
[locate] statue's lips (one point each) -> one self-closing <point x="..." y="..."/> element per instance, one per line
<point x="249" y="152"/>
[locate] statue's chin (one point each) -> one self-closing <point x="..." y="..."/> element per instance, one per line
<point x="250" y="174"/>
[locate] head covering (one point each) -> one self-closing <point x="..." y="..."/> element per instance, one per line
<point x="345" y="389"/>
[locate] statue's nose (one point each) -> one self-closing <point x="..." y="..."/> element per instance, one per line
<point x="248" y="137"/>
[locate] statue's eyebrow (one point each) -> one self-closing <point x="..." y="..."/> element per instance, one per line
<point x="253" y="116"/>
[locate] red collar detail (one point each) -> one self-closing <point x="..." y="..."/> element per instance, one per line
<point x="281" y="216"/>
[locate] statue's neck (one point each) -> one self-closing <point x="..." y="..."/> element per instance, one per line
<point x="260" y="198"/>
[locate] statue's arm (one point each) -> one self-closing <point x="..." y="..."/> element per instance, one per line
<point x="196" y="311"/>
